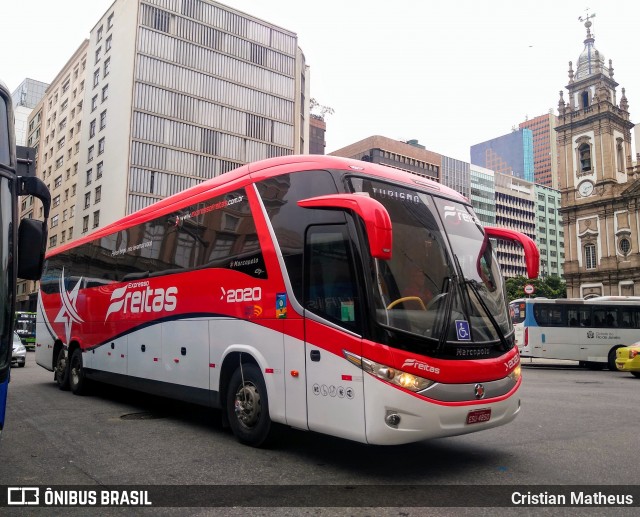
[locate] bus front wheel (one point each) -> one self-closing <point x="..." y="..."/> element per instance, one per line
<point x="248" y="406"/>
<point x="61" y="371"/>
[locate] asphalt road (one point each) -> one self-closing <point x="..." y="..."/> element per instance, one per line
<point x="577" y="427"/>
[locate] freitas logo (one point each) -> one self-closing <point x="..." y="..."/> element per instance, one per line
<point x="130" y="299"/>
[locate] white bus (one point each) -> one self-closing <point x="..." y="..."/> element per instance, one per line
<point x="588" y="331"/>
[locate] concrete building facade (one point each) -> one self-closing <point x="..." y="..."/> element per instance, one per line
<point x="408" y="156"/>
<point x="180" y="92"/>
<point x="26" y="97"/>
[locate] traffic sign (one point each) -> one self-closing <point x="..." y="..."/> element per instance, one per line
<point x="529" y="289"/>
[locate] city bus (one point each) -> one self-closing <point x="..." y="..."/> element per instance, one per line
<point x="277" y="293"/>
<point x="25" y="327"/>
<point x="22" y="245"/>
<point x="588" y="331"/>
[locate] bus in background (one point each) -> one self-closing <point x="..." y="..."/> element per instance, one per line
<point x="318" y="292"/>
<point x="21" y="246"/>
<point x="25" y="327"/>
<point x="588" y="331"/>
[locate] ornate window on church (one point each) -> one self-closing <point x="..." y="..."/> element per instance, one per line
<point x="624" y="245"/>
<point x="584" y="151"/>
<point x="590" y="256"/>
<point x="585" y="99"/>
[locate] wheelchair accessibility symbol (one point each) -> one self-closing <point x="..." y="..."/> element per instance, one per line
<point x="462" y="330"/>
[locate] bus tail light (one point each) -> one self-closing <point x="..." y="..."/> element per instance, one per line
<point x="633" y="353"/>
<point x="526" y="336"/>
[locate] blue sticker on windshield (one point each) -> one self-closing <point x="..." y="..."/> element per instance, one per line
<point x="462" y="329"/>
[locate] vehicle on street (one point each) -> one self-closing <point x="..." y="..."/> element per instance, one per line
<point x="19" y="353"/>
<point x="25" y="326"/>
<point x="588" y="331"/>
<point x="628" y="359"/>
<point x="285" y="291"/>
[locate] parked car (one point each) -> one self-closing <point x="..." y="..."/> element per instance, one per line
<point x="628" y="359"/>
<point x="19" y="354"/>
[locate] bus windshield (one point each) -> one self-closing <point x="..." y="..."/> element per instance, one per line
<point x="443" y="277"/>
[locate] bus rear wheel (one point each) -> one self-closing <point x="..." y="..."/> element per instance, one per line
<point x="248" y="406"/>
<point x="61" y="370"/>
<point x="77" y="380"/>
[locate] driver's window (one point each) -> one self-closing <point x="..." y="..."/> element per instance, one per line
<point x="331" y="286"/>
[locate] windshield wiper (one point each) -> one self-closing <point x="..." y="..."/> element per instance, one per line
<point x="448" y="308"/>
<point x="483" y="304"/>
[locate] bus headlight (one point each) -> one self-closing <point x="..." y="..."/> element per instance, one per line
<point x="405" y="380"/>
<point x="516" y="373"/>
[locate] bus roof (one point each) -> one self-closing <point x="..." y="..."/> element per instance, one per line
<point x="258" y="171"/>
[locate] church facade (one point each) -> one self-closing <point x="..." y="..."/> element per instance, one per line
<point x="599" y="185"/>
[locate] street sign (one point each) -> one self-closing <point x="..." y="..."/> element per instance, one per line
<point x="529" y="289"/>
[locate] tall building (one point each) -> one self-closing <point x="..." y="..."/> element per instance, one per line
<point x="483" y="193"/>
<point x="408" y="156"/>
<point x="317" y="130"/>
<point x="26" y="97"/>
<point x="54" y="128"/>
<point x="455" y="174"/>
<point x="177" y="93"/>
<point x="549" y="230"/>
<point x="510" y="154"/>
<point x="599" y="184"/>
<point x="545" y="152"/>
<point x="515" y="210"/>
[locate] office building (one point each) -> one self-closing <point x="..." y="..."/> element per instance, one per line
<point x="26" y="97"/>
<point x="549" y="231"/>
<point x="510" y="154"/>
<point x="545" y="152"/>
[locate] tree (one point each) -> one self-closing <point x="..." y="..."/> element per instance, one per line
<point x="324" y="110"/>
<point x="548" y="287"/>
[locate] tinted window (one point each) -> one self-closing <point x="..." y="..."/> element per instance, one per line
<point x="549" y="315"/>
<point x="280" y="196"/>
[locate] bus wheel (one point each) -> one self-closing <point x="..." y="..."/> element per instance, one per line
<point x="248" y="406"/>
<point x="61" y="372"/>
<point x="77" y="380"/>
<point x="611" y="359"/>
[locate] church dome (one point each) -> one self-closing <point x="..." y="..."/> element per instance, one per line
<point x="591" y="61"/>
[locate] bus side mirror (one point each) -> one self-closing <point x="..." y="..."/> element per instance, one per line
<point x="32" y="241"/>
<point x="375" y="216"/>
<point x="531" y="252"/>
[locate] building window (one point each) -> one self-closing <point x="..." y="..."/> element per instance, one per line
<point x="89" y="175"/>
<point x="585" y="157"/>
<point x="107" y="45"/>
<point x="53" y="241"/>
<point x="92" y="128"/>
<point x="101" y="146"/>
<point x="54" y="221"/>
<point x="103" y="119"/>
<point x="96" y="77"/>
<point x="624" y="245"/>
<point x="57" y="182"/>
<point x="85" y="224"/>
<point x="99" y="34"/>
<point x="105" y="93"/>
<point x="90" y="154"/>
<point x="98" y="54"/>
<point x="87" y="200"/>
<point x="70" y="232"/>
<point x="99" y="170"/>
<point x="56" y="201"/>
<point x="97" y="195"/>
<point x="590" y="256"/>
<point x="110" y="21"/>
<point x="107" y="62"/>
<point x="96" y="219"/>
<point x="94" y="102"/>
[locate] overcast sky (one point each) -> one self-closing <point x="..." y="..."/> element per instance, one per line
<point x="450" y="73"/>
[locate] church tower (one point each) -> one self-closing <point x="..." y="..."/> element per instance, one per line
<point x="599" y="187"/>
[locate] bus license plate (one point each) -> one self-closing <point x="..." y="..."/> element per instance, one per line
<point x="478" y="415"/>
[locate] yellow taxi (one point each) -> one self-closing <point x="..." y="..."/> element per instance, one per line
<point x="628" y="359"/>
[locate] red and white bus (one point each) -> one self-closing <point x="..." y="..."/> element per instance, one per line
<point x="323" y="293"/>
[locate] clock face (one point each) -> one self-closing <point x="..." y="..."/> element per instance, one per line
<point x="585" y="188"/>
